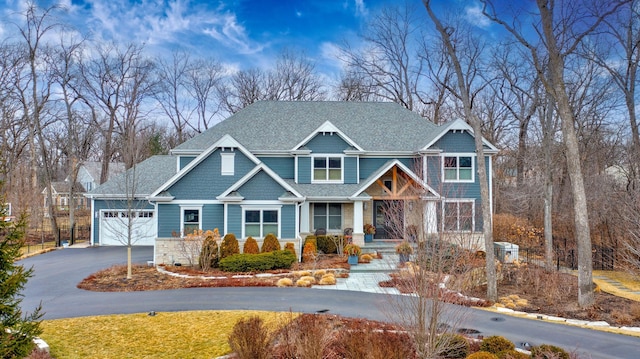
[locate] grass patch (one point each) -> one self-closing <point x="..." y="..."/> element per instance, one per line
<point x="192" y="334"/>
<point x="624" y="278"/>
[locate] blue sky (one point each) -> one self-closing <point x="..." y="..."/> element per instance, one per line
<point x="239" y="33"/>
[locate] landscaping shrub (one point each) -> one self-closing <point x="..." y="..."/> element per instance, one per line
<point x="270" y="243"/>
<point x="309" y="252"/>
<point x="327" y="279"/>
<point x="209" y="254"/>
<point x="482" y="355"/>
<point x="327" y="244"/>
<point x="289" y="246"/>
<point x="311" y="238"/>
<point x="358" y="340"/>
<point x="512" y="354"/>
<point x="251" y="246"/>
<point x="284" y="282"/>
<point x="250" y="339"/>
<point x="257" y="262"/>
<point x="452" y="346"/>
<point x="546" y="351"/>
<point x="495" y="344"/>
<point x="229" y="246"/>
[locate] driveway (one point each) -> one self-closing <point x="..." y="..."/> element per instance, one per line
<point x="57" y="273"/>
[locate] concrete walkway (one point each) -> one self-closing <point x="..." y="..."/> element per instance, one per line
<point x="365" y="277"/>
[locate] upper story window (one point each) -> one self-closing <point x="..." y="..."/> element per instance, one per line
<point x="327" y="169"/>
<point x="458" y="168"/>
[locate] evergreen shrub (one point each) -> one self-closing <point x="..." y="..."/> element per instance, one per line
<point x="270" y="243"/>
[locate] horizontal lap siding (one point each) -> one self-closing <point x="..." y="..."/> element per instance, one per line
<point x="283" y="166"/>
<point x="234" y="220"/>
<point x="261" y="187"/>
<point x="204" y="180"/>
<point x="371" y="165"/>
<point x="168" y="220"/>
<point x="304" y="170"/>
<point x="288" y="226"/>
<point x="213" y="217"/>
<point x="327" y="144"/>
<point x="350" y="170"/>
<point x="185" y="160"/>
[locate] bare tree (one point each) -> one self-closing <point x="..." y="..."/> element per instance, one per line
<point x="203" y="80"/>
<point x="561" y="28"/>
<point x="388" y="59"/>
<point x="244" y="88"/>
<point x="293" y="79"/>
<point x="464" y="90"/>
<point x="617" y="50"/>
<point x="354" y="86"/>
<point x="116" y="84"/>
<point x="35" y="90"/>
<point x="171" y="97"/>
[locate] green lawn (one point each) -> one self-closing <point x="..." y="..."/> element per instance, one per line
<point x="193" y="334"/>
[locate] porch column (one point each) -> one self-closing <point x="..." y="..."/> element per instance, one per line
<point x="430" y="217"/>
<point x="304" y="217"/>
<point x="358" y="234"/>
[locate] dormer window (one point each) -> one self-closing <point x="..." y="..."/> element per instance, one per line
<point x="327" y="169"/>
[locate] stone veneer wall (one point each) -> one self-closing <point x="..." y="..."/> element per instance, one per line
<point x="167" y="250"/>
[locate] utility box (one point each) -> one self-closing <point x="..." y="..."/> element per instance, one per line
<point x="506" y="252"/>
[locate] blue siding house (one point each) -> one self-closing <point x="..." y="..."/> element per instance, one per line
<point x="295" y="168"/>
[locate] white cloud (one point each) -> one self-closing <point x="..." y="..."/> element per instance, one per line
<point x="226" y="29"/>
<point x="361" y="8"/>
<point x="473" y="14"/>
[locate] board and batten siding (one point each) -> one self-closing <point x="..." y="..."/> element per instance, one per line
<point x="204" y="181"/>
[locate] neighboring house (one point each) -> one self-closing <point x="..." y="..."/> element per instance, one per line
<point x="61" y="195"/>
<point x="89" y="173"/>
<point x="292" y="168"/>
<point x="88" y="179"/>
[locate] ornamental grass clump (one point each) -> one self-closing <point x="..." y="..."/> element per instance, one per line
<point x="270" y="243"/>
<point x="229" y="246"/>
<point x="250" y="339"/>
<point x="284" y="282"/>
<point x="251" y="246"/>
<point x="547" y="351"/>
<point x="482" y="355"/>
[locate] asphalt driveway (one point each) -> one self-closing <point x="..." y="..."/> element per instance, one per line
<point x="57" y="273"/>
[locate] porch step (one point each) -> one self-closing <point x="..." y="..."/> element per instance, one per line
<point x="384" y="246"/>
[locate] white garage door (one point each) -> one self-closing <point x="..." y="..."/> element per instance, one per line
<point x="114" y="226"/>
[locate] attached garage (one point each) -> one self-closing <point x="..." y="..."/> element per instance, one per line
<point x="114" y="225"/>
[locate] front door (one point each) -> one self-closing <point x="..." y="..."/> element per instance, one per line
<point x="387" y="215"/>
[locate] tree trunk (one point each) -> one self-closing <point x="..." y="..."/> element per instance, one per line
<point x="547" y="141"/>
<point x="572" y="153"/>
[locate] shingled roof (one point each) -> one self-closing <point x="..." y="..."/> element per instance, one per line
<point x="280" y="125"/>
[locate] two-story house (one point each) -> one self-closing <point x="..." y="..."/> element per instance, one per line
<point x="292" y="168"/>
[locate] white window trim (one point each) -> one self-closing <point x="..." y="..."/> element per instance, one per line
<point x="327" y="156"/>
<point x="262" y="208"/>
<point x="227" y="163"/>
<point x="325" y="225"/>
<point x="458" y="155"/>
<point x="473" y="215"/>
<point x="182" y="209"/>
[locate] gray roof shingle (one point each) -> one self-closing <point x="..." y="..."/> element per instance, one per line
<point x="150" y="174"/>
<point x="280" y="125"/>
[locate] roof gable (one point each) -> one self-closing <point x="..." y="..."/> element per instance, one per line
<point x="457" y="125"/>
<point x="325" y="128"/>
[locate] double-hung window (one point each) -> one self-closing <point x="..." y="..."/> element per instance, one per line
<point x="327" y="169"/>
<point x="459" y="216"/>
<point x="190" y="220"/>
<point x="260" y="222"/>
<point x="327" y="216"/>
<point x="458" y="168"/>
